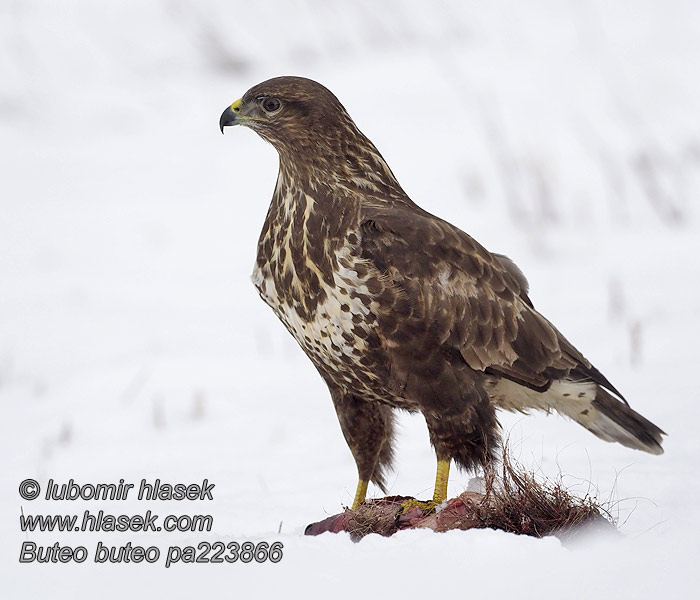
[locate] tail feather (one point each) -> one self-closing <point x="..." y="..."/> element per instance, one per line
<point x="585" y="402"/>
<point x="614" y="421"/>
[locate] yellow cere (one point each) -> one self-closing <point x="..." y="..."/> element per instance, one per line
<point x="236" y="106"/>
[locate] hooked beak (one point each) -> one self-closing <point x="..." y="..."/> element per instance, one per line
<point x="230" y="116"/>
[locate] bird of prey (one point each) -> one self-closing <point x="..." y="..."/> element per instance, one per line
<point x="398" y="309"/>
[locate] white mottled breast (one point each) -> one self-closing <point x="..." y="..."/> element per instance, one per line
<point x="330" y="336"/>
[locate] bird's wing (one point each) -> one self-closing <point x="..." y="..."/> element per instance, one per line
<point x="454" y="294"/>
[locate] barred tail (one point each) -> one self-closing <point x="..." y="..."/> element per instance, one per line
<point x="614" y="421"/>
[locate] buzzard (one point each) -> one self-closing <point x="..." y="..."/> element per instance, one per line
<point x="398" y="309"/>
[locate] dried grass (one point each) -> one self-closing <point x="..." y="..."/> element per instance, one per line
<point x="518" y="501"/>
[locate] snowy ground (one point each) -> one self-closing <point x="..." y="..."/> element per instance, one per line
<point x="132" y="344"/>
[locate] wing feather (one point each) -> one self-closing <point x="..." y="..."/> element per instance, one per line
<point x="464" y="297"/>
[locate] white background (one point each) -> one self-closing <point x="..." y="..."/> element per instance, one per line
<point x="133" y="345"/>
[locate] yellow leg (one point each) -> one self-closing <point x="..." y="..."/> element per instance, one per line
<point x="360" y="493"/>
<point x="442" y="475"/>
<point x="441" y="478"/>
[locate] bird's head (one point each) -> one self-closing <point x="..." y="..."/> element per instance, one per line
<point x="286" y="110"/>
<point x="313" y="134"/>
<point x="292" y="113"/>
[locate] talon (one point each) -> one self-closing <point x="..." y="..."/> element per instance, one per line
<point x="427" y="506"/>
<point x="439" y="495"/>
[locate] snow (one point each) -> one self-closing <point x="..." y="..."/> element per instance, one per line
<point x="133" y="345"/>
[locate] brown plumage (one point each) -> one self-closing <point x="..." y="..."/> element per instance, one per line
<point x="398" y="309"/>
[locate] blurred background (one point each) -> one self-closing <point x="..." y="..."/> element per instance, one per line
<point x="132" y="343"/>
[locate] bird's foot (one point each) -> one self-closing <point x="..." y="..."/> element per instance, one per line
<point x="439" y="495"/>
<point x="425" y="506"/>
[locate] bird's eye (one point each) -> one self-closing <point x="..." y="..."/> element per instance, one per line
<point x="271" y="104"/>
